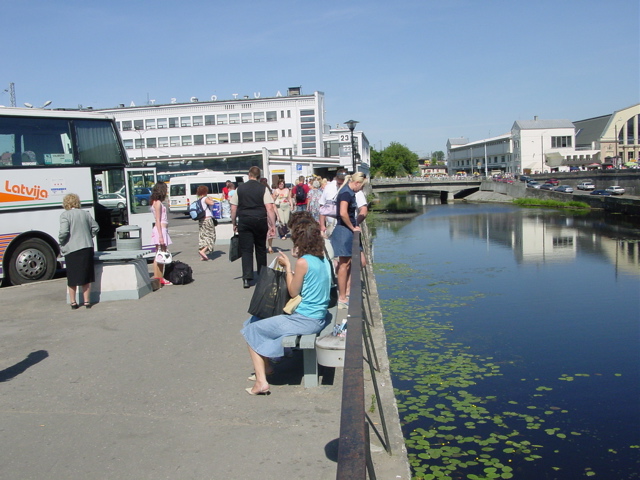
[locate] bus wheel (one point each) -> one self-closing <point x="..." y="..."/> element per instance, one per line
<point x="31" y="261"/>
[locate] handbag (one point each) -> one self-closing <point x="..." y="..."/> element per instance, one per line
<point x="329" y="209"/>
<point x="164" y="257"/>
<point x="292" y="304"/>
<point x="333" y="289"/>
<point x="234" y="248"/>
<point x="271" y="293"/>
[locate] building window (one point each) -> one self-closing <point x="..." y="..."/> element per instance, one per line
<point x="150" y="124"/>
<point x="308" y="125"/>
<point x="272" y="116"/>
<point x="139" y="143"/>
<point x="211" y="139"/>
<point x="173" y="122"/>
<point x="308" y="132"/>
<point x="235" y="138"/>
<point x="162" y="123"/>
<point x="281" y="113"/>
<point x="309" y="151"/>
<point x="247" y="137"/>
<point x="258" y="117"/>
<point x="234" y="118"/>
<point x="246" y="118"/>
<point x="163" y="142"/>
<point x="308" y="145"/>
<point x="288" y="113"/>
<point x="128" y="144"/>
<point x="174" y="141"/>
<point x="138" y="125"/>
<point x="305" y="113"/>
<point x="187" y="140"/>
<point x="126" y="125"/>
<point x="197" y="121"/>
<point x="283" y="133"/>
<point x="272" y="135"/>
<point x="185" y="121"/>
<point x="308" y="139"/>
<point x="222" y="119"/>
<point x="198" y="139"/>
<point x="560" y="142"/>
<point x="260" y="136"/>
<point x="289" y="131"/>
<point x="151" y="143"/>
<point x="308" y="119"/>
<point x="209" y="119"/>
<point x="223" y="137"/>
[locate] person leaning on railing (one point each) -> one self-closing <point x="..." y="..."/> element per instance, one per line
<point x="342" y="236"/>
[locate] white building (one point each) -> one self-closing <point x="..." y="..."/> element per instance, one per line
<point x="532" y="146"/>
<point x="483" y="157"/>
<point x="232" y="135"/>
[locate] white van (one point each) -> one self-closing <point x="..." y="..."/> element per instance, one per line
<point x="182" y="190"/>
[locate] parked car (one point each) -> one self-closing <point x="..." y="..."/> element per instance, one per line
<point x="524" y="178"/>
<point x="564" y="189"/>
<point x="547" y="186"/>
<point x="533" y="184"/>
<point x="553" y="181"/>
<point x="603" y="193"/>
<point x="586" y="186"/>
<point x="112" y="200"/>
<point x="615" y="190"/>
<point x="142" y="195"/>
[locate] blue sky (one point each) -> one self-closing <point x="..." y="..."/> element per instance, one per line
<point x="415" y="72"/>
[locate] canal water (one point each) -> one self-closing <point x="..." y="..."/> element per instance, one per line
<point x="513" y="339"/>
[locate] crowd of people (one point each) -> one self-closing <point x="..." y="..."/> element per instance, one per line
<point x="321" y="224"/>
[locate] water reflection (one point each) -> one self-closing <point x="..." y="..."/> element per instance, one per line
<point x="536" y="236"/>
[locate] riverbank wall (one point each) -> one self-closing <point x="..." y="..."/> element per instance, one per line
<point x="508" y="191"/>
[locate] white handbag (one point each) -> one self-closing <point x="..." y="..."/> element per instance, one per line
<point x="164" y="257"/>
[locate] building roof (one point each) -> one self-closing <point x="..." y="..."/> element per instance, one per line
<point x="538" y="124"/>
<point x="458" y="141"/>
<point x="590" y="130"/>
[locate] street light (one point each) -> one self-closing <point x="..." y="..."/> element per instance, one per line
<point x="46" y="104"/>
<point x="351" y="124"/>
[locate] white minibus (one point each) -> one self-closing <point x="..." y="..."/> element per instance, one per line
<point x="182" y="190"/>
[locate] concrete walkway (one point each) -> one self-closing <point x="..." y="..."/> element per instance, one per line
<point x="154" y="388"/>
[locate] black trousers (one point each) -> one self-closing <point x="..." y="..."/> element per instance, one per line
<point x="252" y="233"/>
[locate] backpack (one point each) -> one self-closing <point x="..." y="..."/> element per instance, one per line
<point x="301" y="195"/>
<point x="196" y="210"/>
<point x="179" y="274"/>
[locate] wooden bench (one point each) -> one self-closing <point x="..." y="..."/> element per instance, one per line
<point x="307" y="343"/>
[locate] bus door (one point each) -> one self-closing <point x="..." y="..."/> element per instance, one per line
<point x="139" y="185"/>
<point x="110" y="203"/>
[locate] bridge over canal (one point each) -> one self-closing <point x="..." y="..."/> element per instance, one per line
<point x="448" y="188"/>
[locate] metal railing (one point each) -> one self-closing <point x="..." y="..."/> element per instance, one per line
<point x="354" y="450"/>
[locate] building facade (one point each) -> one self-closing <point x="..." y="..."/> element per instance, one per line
<point x="484" y="157"/>
<point x="230" y="135"/>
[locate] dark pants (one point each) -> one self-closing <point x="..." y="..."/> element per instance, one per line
<point x="252" y="234"/>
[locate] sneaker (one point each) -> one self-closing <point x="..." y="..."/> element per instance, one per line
<point x="164" y="281"/>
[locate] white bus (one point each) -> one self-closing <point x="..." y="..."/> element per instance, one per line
<point x="43" y="156"/>
<point x="167" y="176"/>
<point x="182" y="190"/>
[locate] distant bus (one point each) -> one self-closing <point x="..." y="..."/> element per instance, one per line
<point x="167" y="176"/>
<point x="46" y="154"/>
<point x="182" y="190"/>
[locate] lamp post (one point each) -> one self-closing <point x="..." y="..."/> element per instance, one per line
<point x="351" y="124"/>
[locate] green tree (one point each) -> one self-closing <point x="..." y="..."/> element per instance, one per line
<point x="437" y="157"/>
<point x="395" y="160"/>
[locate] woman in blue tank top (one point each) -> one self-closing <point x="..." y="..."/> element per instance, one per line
<point x="311" y="280"/>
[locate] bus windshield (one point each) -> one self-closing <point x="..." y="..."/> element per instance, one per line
<point x="27" y="141"/>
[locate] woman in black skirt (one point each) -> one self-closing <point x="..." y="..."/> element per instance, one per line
<point x="77" y="229"/>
